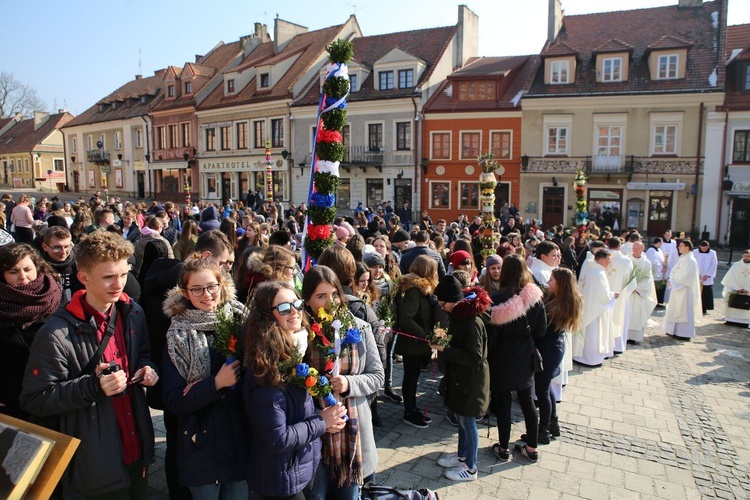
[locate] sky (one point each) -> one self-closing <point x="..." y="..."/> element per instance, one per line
<point x="75" y="53"/>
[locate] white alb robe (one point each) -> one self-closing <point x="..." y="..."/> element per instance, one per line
<point x="708" y="264"/>
<point x="656" y="257"/>
<point x="671" y="256"/>
<point x="737" y="278"/>
<point x="541" y="271"/>
<point x="643" y="299"/>
<point x="627" y="248"/>
<point x="684" y="309"/>
<point x="618" y="273"/>
<point x="592" y="345"/>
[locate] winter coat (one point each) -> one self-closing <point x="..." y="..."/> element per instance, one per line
<point x="15" y="344"/>
<point x="53" y="386"/>
<point x="552" y="348"/>
<point x="284" y="447"/>
<point x="211" y="424"/>
<point x="408" y="258"/>
<point x="209" y="219"/>
<point x="134" y="233"/>
<point x="257" y="272"/>
<point x="516" y="320"/>
<point x="414" y="315"/>
<point x="140" y="247"/>
<point x="467" y="374"/>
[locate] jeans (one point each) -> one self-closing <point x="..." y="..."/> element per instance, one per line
<point x="228" y="490"/>
<point x="323" y="482"/>
<point x="468" y="440"/>
<point x="547" y="402"/>
<point x="389" y="350"/>
<point x="503" y="401"/>
<point x="412" y="370"/>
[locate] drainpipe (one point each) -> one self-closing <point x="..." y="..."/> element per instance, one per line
<point x="65" y="162"/>
<point x="695" y="230"/>
<point x="721" y="175"/>
<point x="148" y="170"/>
<point x="416" y="207"/>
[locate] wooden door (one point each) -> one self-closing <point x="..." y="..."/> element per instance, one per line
<point x="659" y="212"/>
<point x="553" y="206"/>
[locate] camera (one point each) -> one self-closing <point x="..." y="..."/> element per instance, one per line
<point x="112" y="368"/>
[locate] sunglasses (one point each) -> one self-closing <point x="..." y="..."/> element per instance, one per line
<point x="286" y="307"/>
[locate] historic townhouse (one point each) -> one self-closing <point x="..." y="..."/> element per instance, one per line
<point x="391" y="77"/>
<point x="625" y="97"/>
<point x="108" y="144"/>
<point x="251" y="108"/>
<point x="476" y="110"/>
<point x="31" y="151"/>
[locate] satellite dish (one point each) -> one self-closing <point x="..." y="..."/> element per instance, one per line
<point x="99" y="144"/>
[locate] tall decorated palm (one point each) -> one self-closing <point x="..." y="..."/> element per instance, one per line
<point x="487" y="183"/>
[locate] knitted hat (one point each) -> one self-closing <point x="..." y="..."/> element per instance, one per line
<point x="458" y="257"/>
<point x="368" y="249"/>
<point x="400" y="236"/>
<point x="349" y="228"/>
<point x="493" y="260"/>
<point x="341" y="232"/>
<point x="56" y="205"/>
<point x="373" y="259"/>
<point x="57" y="220"/>
<point x="449" y="289"/>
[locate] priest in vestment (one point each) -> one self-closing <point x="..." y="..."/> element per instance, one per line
<point x="619" y="274"/>
<point x="658" y="268"/>
<point x="737" y="280"/>
<point x="594" y="343"/>
<point x="671" y="256"/>
<point x="684" y="307"/>
<point x="643" y="299"/>
<point x="708" y="264"/>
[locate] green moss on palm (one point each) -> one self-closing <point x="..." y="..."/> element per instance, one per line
<point x="340" y="51"/>
<point x="331" y="151"/>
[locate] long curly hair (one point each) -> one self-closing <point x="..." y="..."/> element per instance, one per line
<point x="266" y="344"/>
<point x="565" y="307"/>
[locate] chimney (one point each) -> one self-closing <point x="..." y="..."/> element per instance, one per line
<point x="61" y="111"/>
<point x="40" y="117"/>
<point x="554" y="20"/>
<point x="284" y="32"/>
<point x="467" y="36"/>
<point x="198" y="57"/>
<point x="138" y="77"/>
<point x="261" y="31"/>
<point x="689" y="4"/>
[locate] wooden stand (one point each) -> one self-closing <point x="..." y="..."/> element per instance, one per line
<point x="57" y="462"/>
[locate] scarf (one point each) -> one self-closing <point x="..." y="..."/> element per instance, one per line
<point x="342" y="451"/>
<point x="25" y="304"/>
<point x="188" y="343"/>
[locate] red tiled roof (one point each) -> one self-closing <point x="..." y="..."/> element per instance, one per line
<point x="5" y="121"/>
<point x="428" y="44"/>
<point x="738" y="39"/>
<point x="22" y="138"/>
<point x="613" y="45"/>
<point x="560" y="49"/>
<point x="199" y="70"/>
<point x="515" y="74"/>
<point x="643" y="29"/>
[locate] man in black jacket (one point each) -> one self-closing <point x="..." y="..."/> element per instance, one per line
<point x="421" y="240"/>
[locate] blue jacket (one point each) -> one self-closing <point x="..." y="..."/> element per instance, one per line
<point x="209" y="219"/>
<point x="285" y="443"/>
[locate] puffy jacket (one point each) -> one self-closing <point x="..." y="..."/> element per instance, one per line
<point x="53" y="386"/>
<point x="285" y="447"/>
<point x="209" y="219"/>
<point x="414" y="315"/>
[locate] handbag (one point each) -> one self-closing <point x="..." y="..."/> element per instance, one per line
<point x="739" y="301"/>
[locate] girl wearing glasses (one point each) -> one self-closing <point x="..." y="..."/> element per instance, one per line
<point x="274" y="263"/>
<point x="284" y="448"/>
<point x="197" y="384"/>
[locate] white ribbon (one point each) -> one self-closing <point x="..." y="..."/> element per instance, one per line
<point x="337" y="69"/>
<point x="336" y="346"/>
<point x="327" y="167"/>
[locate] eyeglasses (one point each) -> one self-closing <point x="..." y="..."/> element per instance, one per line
<point x="286" y="307"/>
<point x="61" y="248"/>
<point x="291" y="268"/>
<point x="200" y="290"/>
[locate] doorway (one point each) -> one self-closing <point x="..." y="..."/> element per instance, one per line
<point x="402" y="193"/>
<point x="740" y="231"/>
<point x="226" y="187"/>
<point x="659" y="212"/>
<point x="553" y="206"/>
<point x="141" y="184"/>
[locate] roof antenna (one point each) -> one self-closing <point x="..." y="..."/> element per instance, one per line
<point x="355" y="7"/>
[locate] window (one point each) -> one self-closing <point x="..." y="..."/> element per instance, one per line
<point x="210" y="139"/>
<point x="470" y="142"/>
<point x="559" y="72"/>
<point x="259" y="128"/>
<point x="185" y="134"/>
<point x="242" y="135"/>
<point x="608" y="140"/>
<point x="26" y="163"/>
<point x="747" y="78"/>
<point x="118" y="141"/>
<point x="12" y="167"/>
<point x="230" y="86"/>
<point x="612" y="70"/>
<point x="741" y="148"/>
<point x="277" y="133"/>
<point x="665" y="139"/>
<point x="59" y="166"/>
<point x="469" y="195"/>
<point x="170" y="90"/>
<point x="103" y="141"/>
<point x="557" y="140"/>
<point x="174" y="139"/>
<point x="476" y="91"/>
<point x="188" y="87"/>
<point x="73" y="145"/>
<point x="226" y="138"/>
<point x="375" y="136"/>
<point x="403" y="136"/>
<point x="344" y="194"/>
<point x="89" y="143"/>
<point x="441" y="146"/>
<point x="500" y="144"/>
<point x="440" y="194"/>
<point x="138" y="138"/>
<point x="265" y="80"/>
<point x="161" y="137"/>
<point x="352" y="83"/>
<point x="386" y="80"/>
<point x="405" y="78"/>
<point x="667" y="67"/>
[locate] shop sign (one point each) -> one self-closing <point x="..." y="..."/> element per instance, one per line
<point x="740" y="188"/>
<point x="656" y="186"/>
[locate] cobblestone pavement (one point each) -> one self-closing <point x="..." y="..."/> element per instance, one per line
<point x="667" y="419"/>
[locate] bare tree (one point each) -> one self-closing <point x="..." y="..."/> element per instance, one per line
<point x="17" y="97"/>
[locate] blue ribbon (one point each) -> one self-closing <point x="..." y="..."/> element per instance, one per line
<point x="322" y="200"/>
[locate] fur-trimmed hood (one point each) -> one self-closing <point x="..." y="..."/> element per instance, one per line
<point x="411" y="280"/>
<point x="176" y="303"/>
<point x="476" y="301"/>
<point x="517" y="305"/>
<point x="256" y="265"/>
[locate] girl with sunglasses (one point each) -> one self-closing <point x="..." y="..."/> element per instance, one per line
<point x="197" y="384"/>
<point x="284" y="448"/>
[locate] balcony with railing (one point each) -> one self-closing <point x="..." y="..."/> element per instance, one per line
<point x="363" y="157"/>
<point x="609" y="165"/>
<point x="98" y="156"/>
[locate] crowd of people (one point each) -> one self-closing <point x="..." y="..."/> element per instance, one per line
<point x="270" y="375"/>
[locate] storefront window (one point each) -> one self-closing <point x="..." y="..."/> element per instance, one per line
<point x="605" y="207"/>
<point x="440" y="194"/>
<point x="344" y="195"/>
<point x="374" y="193"/>
<point x="170" y="182"/>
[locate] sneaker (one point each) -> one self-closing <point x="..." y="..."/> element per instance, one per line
<point x="390" y="394"/>
<point x="425" y="418"/>
<point x="531" y="456"/>
<point x="451" y="418"/>
<point x="483" y="420"/>
<point x="461" y="473"/>
<point x="502" y="454"/>
<point x="451" y="461"/>
<point x="415" y="420"/>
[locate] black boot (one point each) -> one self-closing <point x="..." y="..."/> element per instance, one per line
<point x="543" y="436"/>
<point x="376" y="420"/>
<point x="554" y="427"/>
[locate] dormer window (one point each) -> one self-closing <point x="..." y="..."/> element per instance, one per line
<point x="476" y="91"/>
<point x="353" y="84"/>
<point x="612" y="69"/>
<point x="559" y="72"/>
<point x="170" y="90"/>
<point x="405" y="78"/>
<point x="265" y="80"/>
<point x="230" y="86"/>
<point x="386" y="80"/>
<point x="746" y="84"/>
<point x="667" y="65"/>
<point x="188" y="87"/>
